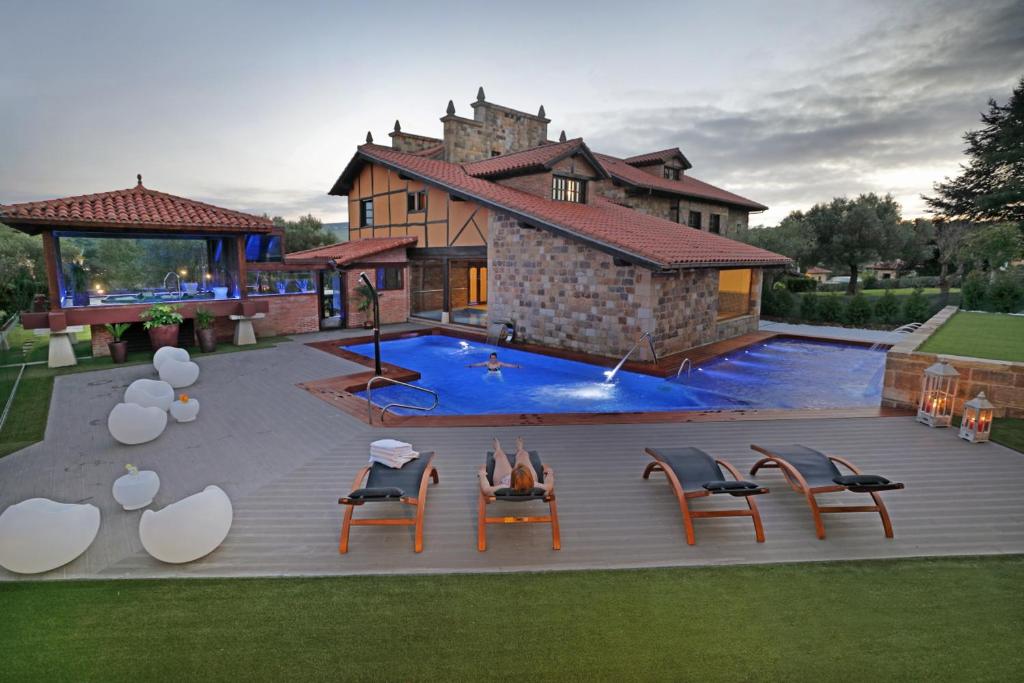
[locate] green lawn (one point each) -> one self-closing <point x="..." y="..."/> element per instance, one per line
<point x="26" y="422"/>
<point x="943" y="619"/>
<point x="980" y="335"/>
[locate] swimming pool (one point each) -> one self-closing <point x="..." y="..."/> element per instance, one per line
<point x="781" y="373"/>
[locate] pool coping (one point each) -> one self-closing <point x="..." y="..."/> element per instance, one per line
<point x="340" y="391"/>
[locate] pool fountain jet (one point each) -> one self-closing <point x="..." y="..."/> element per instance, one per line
<point x="610" y="375"/>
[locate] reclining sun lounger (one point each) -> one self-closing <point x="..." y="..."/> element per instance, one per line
<point x="811" y="472"/>
<point x="407" y="484"/>
<point x="545" y="475"/>
<point x="692" y="473"/>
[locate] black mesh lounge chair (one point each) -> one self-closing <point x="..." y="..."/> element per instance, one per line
<point x="407" y="484"/>
<point x="545" y="475"/>
<point x="692" y="473"/>
<point x="811" y="472"/>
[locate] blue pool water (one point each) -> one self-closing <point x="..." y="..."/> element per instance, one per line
<point x="780" y="373"/>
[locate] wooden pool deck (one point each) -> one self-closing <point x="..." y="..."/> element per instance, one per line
<point x="284" y="457"/>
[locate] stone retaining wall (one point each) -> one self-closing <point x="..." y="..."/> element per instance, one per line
<point x="1002" y="381"/>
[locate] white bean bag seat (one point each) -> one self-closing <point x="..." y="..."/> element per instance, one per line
<point x="166" y="353"/>
<point x="150" y="393"/>
<point x="38" y="534"/>
<point x="179" y="374"/>
<point x="189" y="529"/>
<point x="134" y="424"/>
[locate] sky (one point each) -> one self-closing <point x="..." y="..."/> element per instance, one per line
<point x="258" y="106"/>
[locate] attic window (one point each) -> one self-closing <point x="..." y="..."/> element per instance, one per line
<point x="568" y="189"/>
<point x="416" y="201"/>
<point x="671" y="172"/>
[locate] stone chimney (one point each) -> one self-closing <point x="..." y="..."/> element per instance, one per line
<point x="493" y="130"/>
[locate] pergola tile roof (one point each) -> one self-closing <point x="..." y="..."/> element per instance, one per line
<point x="134" y="208"/>
<point x="344" y="253"/>
<point x="651" y="241"/>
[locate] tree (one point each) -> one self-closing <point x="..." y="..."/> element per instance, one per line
<point x="990" y="186"/>
<point x="994" y="245"/>
<point x="305" y="233"/>
<point x="850" y="232"/>
<point x="22" y="273"/>
<point x="950" y="238"/>
<point x="792" y="238"/>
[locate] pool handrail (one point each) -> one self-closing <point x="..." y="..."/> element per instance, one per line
<point x="688" y="364"/>
<point x="369" y="398"/>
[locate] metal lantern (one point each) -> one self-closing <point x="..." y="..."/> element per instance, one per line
<point x="938" y="392"/>
<point x="977" y="420"/>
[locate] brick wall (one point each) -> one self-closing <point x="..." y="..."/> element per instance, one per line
<point x="394" y="304"/>
<point x="563" y="294"/>
<point x="493" y="128"/>
<point x="288" y="314"/>
<point x="1002" y="381"/>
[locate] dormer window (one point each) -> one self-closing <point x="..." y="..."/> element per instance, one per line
<point x="671" y="172"/>
<point x="569" y="189"/>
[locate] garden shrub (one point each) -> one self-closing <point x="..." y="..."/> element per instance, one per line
<point x="801" y="284"/>
<point x="887" y="308"/>
<point x="858" y="310"/>
<point x="870" y="282"/>
<point x="916" y="308"/>
<point x="776" y="302"/>
<point x="809" y="307"/>
<point x="974" y="291"/>
<point x="830" y="309"/>
<point x="1005" y="294"/>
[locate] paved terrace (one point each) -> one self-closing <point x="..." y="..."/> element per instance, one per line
<point x="284" y="457"/>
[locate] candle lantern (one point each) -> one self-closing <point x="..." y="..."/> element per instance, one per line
<point x="977" y="420"/>
<point x="938" y="392"/>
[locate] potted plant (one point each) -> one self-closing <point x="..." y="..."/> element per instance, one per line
<point x="162" y="322"/>
<point x="118" y="348"/>
<point x="204" y="330"/>
<point x="364" y="304"/>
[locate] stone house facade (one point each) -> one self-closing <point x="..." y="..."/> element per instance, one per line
<point x="580" y="250"/>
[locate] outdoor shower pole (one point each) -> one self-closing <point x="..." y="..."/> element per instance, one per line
<point x="376" y="324"/>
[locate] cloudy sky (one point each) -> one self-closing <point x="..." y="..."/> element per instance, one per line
<point x="258" y="106"/>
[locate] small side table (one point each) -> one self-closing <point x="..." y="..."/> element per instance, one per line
<point x="244" y="334"/>
<point x="136" y="490"/>
<point x="184" y="411"/>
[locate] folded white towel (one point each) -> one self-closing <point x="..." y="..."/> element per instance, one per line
<point x="390" y="444"/>
<point x="394" y="462"/>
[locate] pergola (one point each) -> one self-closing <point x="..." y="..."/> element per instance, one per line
<point x="136" y="212"/>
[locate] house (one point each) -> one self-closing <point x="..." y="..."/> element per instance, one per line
<point x="884" y="270"/>
<point x="818" y="273"/>
<point x="577" y="249"/>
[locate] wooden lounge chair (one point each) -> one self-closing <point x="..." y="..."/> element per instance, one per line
<point x="811" y="472"/>
<point x="407" y="485"/>
<point x="692" y="473"/>
<point x="545" y="475"/>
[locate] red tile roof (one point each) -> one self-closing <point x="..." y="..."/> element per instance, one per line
<point x="541" y="158"/>
<point x="344" y="253"/>
<point x="137" y="208"/>
<point x="653" y="242"/>
<point x="434" y="151"/>
<point x="661" y="156"/>
<point x="687" y="186"/>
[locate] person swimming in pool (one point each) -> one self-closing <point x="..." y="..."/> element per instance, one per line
<point x="493" y="364"/>
<point x="518" y="476"/>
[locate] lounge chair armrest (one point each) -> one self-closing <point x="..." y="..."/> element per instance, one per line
<point x="360" y="496"/>
<point x="734" y="488"/>
<point x="866" y="483"/>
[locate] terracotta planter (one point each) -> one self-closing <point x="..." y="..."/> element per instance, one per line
<point x="207" y="339"/>
<point x="165" y="335"/>
<point x="118" y="351"/>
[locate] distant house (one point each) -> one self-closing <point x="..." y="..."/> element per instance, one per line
<point x="885" y="270"/>
<point x="818" y="273"/>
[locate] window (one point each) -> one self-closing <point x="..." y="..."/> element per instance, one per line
<point x="417" y="201"/>
<point x="715" y="223"/>
<point x="673" y="213"/>
<point x="389" y="278"/>
<point x="262" y="248"/>
<point x="569" y="189"/>
<point x="267" y="282"/>
<point x="670" y="172"/>
<point x="734" y="293"/>
<point x="365" y="213"/>
<point x="695" y="220"/>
